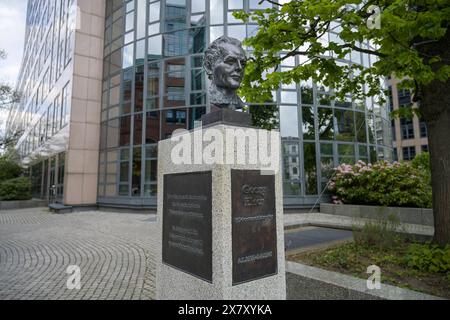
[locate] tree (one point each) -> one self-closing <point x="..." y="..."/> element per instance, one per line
<point x="408" y="39"/>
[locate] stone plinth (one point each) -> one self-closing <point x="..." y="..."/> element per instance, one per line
<point x="220" y="222"/>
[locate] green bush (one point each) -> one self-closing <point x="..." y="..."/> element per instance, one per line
<point x="9" y="169"/>
<point x="380" y="234"/>
<point x="15" y="189"/>
<point x="381" y="184"/>
<point x="428" y="258"/>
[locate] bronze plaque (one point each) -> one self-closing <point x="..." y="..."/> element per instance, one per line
<point x="187" y="223"/>
<point x="254" y="226"/>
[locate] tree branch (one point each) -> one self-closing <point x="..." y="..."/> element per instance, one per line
<point x="272" y="2"/>
<point x="353" y="47"/>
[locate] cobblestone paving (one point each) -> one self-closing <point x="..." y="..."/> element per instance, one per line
<point x="113" y="250"/>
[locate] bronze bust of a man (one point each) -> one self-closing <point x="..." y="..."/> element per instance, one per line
<point x="224" y="64"/>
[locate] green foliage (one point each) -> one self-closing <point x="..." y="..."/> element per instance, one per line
<point x="15" y="189"/>
<point x="382" y="184"/>
<point x="299" y="28"/>
<point x="264" y="116"/>
<point x="380" y="234"/>
<point x="428" y="258"/>
<point x="9" y="169"/>
<point x="422" y="162"/>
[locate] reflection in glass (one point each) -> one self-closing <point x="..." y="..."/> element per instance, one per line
<point x="173" y="120"/>
<point x="346" y="153"/>
<point x="371" y="128"/>
<point x="154" y="12"/>
<point x="361" y="135"/>
<point x="363" y="153"/>
<point x="291" y="159"/>
<point x="125" y="131"/>
<point x="175" y="15"/>
<point x="215" y="33"/>
<point x="289" y="121"/>
<point x="198" y="6"/>
<point x="345" y="125"/>
<point x="141" y="23"/>
<point x="152" y="127"/>
<point x="307" y="94"/>
<point x="195" y="115"/>
<point x="136" y="172"/>
<point x="237" y="32"/>
<point x="308" y="123"/>
<point x="124" y="167"/>
<point x="216" y="11"/>
<point x="256" y="4"/>
<point x="198" y="20"/>
<point x="154" y="48"/>
<point x="112" y="133"/>
<point x="326" y="163"/>
<point x="128" y="53"/>
<point x="139" y="89"/>
<point x="153" y="29"/>
<point x="174" y="89"/>
<point x="235" y="4"/>
<point x="292" y="188"/>
<point x="289" y="97"/>
<point x="326" y="125"/>
<point x="129" y="24"/>
<point x="310" y="168"/>
<point x="138" y="129"/>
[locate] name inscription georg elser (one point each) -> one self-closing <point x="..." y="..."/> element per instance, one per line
<point x="254" y="226"/>
<point x="187" y="223"/>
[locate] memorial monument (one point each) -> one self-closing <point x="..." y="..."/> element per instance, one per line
<point x="220" y="206"/>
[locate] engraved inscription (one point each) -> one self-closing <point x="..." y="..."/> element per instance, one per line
<point x="253" y="226"/>
<point x="187" y="223"/>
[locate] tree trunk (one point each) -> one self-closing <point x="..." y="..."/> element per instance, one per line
<point x="435" y="109"/>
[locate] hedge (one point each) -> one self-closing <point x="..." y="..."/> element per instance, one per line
<point x="15" y="189"/>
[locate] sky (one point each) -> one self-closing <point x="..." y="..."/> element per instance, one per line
<point x="12" y="36"/>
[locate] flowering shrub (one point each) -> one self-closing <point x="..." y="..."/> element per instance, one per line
<point x="385" y="184"/>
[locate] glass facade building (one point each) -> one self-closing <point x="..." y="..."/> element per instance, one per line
<point x="152" y="83"/>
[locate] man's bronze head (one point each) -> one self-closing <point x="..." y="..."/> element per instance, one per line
<point x="225" y="62"/>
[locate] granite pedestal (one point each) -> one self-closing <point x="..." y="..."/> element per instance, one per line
<point x="220" y="223"/>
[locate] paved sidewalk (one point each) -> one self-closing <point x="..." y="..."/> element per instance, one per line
<point x="113" y="251"/>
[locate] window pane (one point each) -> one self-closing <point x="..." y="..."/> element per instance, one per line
<point x="235" y="4"/>
<point x="125" y="127"/>
<point x="215" y="33"/>
<point x="128" y="56"/>
<point x="153" y="127"/>
<point x="141" y="23"/>
<point x="136" y="173"/>
<point x="216" y="11"/>
<point x="154" y="12"/>
<point x="198" y="6"/>
<point x="138" y="129"/>
<point x="310" y="168"/>
<point x="326" y="125"/>
<point x="308" y="123"/>
<point x="361" y="134"/>
<point x="345" y="125"/>
<point x="237" y="32"/>
<point x="124" y="174"/>
<point x="346" y="153"/>
<point x="289" y="121"/>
